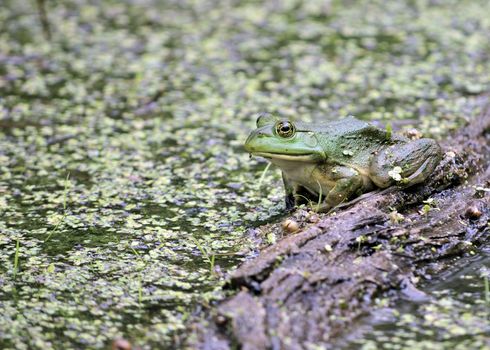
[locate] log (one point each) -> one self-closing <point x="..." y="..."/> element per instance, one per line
<point x="311" y="286"/>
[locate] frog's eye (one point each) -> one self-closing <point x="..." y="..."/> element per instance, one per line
<point x="285" y="129"/>
<point x="264" y="119"/>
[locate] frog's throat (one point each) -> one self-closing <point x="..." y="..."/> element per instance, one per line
<point x="307" y="157"/>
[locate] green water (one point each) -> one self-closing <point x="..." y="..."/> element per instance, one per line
<point x="122" y="171"/>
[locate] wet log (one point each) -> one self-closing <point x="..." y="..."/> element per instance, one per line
<point x="311" y="286"/>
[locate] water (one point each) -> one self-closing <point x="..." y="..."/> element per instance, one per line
<point x="457" y="315"/>
<point x="122" y="171"/>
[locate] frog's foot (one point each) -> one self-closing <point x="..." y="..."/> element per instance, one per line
<point x="361" y="198"/>
<point x="405" y="164"/>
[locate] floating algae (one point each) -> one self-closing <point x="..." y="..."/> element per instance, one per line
<point x="146" y="105"/>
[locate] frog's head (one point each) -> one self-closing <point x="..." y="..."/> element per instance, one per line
<point x="282" y="139"/>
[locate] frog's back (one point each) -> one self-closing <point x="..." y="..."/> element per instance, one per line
<point x="351" y="141"/>
<point x="344" y="126"/>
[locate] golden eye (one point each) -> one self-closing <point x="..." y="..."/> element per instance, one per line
<point x="285" y="129"/>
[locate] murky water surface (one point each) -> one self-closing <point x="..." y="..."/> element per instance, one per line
<point x="456" y="316"/>
<point x="124" y="190"/>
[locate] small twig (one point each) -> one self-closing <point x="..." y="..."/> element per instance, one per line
<point x="209" y="258"/>
<point x="319" y="196"/>
<point x="43" y="17"/>
<point x="140" y="280"/>
<point x="65" y="193"/>
<point x="263" y="174"/>
<point x="16" y="258"/>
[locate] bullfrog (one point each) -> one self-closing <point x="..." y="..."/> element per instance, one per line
<point x="334" y="162"/>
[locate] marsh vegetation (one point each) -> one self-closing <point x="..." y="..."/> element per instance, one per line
<point x="125" y="193"/>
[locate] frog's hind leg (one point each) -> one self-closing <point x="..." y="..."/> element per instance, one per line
<point x="421" y="173"/>
<point x="349" y="183"/>
<point x="416" y="159"/>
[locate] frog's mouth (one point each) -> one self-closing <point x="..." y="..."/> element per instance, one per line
<point x="306" y="157"/>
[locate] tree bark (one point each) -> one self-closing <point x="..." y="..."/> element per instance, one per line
<point x="309" y="287"/>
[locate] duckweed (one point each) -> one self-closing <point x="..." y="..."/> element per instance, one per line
<point x="121" y="140"/>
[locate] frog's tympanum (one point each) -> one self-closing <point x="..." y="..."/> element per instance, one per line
<point x="339" y="160"/>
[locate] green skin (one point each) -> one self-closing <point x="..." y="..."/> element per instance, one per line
<point x="339" y="160"/>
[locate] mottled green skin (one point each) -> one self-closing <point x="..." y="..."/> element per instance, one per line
<point x="342" y="159"/>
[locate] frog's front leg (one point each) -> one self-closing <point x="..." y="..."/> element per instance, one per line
<point x="348" y="182"/>
<point x="295" y="193"/>
<point x="416" y="161"/>
<point x="289" y="189"/>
